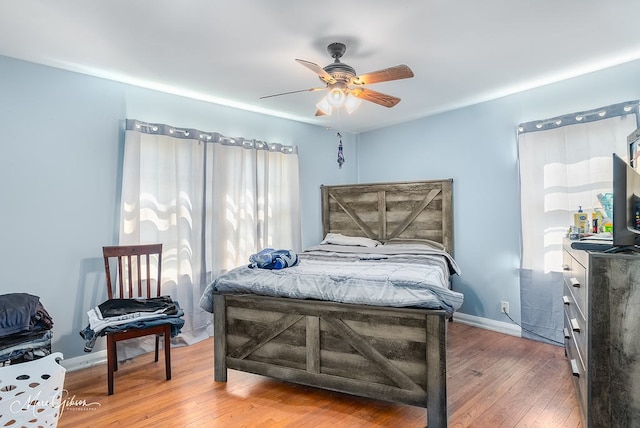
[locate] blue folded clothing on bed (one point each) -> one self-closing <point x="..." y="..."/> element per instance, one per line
<point x="270" y="258"/>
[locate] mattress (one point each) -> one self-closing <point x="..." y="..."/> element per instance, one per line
<point x="399" y="275"/>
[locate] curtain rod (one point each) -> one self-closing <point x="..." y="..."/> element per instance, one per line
<point x="206" y="137"/>
<point x="614" y="110"/>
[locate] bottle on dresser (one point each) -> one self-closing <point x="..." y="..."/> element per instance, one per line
<point x="581" y="221"/>
<point x="596" y="221"/>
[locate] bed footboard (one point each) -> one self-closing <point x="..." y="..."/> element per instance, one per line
<point x="392" y="354"/>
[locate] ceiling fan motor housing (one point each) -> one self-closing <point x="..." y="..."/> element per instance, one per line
<point x="340" y="71"/>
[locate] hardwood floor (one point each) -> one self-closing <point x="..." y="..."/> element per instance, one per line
<point x="494" y="380"/>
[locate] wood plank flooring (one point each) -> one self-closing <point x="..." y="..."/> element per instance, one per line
<point x="493" y="380"/>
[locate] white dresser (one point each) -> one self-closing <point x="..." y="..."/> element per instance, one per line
<point x="602" y="334"/>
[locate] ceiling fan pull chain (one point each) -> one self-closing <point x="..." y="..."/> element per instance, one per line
<point x="340" y="155"/>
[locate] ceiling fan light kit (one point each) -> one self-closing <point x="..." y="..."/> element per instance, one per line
<point x="323" y="107"/>
<point x="351" y="103"/>
<point x="345" y="86"/>
<point x="336" y="95"/>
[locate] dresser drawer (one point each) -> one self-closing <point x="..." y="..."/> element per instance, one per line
<point x="577" y="367"/>
<point x="575" y="323"/>
<point x="575" y="277"/>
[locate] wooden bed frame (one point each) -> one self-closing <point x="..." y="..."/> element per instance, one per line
<point x="392" y="354"/>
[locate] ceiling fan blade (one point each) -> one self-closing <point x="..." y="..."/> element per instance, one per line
<point x="322" y="74"/>
<point x="391" y="73"/>
<point x="293" y="92"/>
<point x="375" y="97"/>
<point x="320" y="113"/>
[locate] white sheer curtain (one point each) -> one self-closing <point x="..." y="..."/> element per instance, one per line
<point x="562" y="167"/>
<point x="211" y="201"/>
<point x="253" y="201"/>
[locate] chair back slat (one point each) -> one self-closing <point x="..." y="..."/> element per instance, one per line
<point x="134" y="267"/>
<point x="139" y="282"/>
<point x="120" y="276"/>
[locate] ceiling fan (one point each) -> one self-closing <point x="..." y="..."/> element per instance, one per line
<point x="345" y="86"/>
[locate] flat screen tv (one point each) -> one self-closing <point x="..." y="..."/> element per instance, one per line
<point x="626" y="206"/>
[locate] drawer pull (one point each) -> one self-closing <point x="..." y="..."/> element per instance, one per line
<point x="565" y="300"/>
<point x="565" y="267"/>
<point x="574" y="325"/>
<point x="574" y="282"/>
<point x="566" y="333"/>
<point x="574" y="368"/>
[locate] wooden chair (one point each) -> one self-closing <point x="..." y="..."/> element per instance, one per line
<point x="133" y="278"/>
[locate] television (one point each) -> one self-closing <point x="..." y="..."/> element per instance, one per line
<point x="626" y="206"/>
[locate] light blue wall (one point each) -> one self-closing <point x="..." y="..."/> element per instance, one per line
<point x="61" y="140"/>
<point x="61" y="151"/>
<point x="477" y="147"/>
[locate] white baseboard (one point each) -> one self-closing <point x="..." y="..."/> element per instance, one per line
<point x="85" y="361"/>
<point x="488" y="324"/>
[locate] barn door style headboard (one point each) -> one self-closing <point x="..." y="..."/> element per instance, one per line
<point x="382" y="211"/>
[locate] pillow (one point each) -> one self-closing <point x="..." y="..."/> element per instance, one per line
<point x="357" y="241"/>
<point x="429" y="242"/>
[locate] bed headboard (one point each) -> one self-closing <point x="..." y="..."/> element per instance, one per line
<point x="381" y="211"/>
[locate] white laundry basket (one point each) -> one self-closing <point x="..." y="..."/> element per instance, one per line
<point x="31" y="393"/>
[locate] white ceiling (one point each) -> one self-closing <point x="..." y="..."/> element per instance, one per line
<point x="233" y="52"/>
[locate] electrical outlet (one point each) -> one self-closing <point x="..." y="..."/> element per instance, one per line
<point x="504" y="307"/>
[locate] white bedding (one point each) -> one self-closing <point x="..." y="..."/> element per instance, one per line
<point x="403" y="275"/>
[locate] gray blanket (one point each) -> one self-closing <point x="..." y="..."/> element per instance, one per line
<point x="389" y="275"/>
